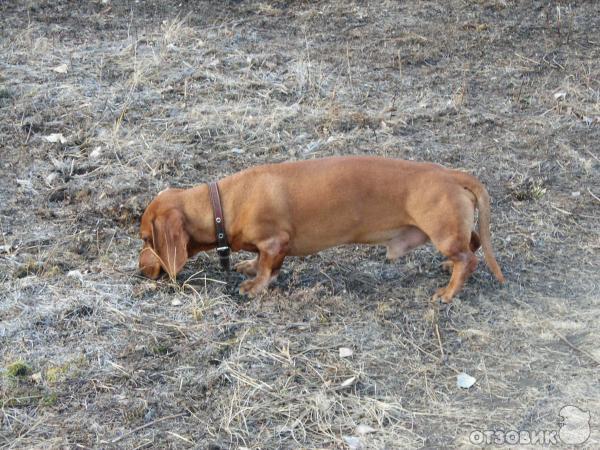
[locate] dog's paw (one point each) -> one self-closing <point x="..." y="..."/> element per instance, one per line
<point x="443" y="295"/>
<point x="251" y="288"/>
<point x="448" y="265"/>
<point x="247" y="267"/>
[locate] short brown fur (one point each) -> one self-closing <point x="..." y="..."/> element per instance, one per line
<point x="299" y="208"/>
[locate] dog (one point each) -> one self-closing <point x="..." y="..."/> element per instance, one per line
<point x="299" y="208"/>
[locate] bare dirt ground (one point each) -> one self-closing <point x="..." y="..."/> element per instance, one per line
<point x="147" y="95"/>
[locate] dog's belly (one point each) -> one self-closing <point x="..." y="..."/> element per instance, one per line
<point x="398" y="241"/>
<point x="409" y="234"/>
<point x="321" y="222"/>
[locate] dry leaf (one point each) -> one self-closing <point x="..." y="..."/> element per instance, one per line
<point x="465" y="381"/>
<point x="55" y="137"/>
<point x="364" y="429"/>
<point x="348" y="382"/>
<point x="352" y="442"/>
<point x="96" y="153"/>
<point x="345" y="352"/>
<point x="51" y="178"/>
<point x="36" y="377"/>
<point x="75" y="274"/>
<point x="5" y="248"/>
<point x="61" y="68"/>
<point x="560" y="95"/>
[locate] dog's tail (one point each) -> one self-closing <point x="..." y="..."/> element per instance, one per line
<point x="483" y="204"/>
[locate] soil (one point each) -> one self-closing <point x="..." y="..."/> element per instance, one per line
<point x="105" y="103"/>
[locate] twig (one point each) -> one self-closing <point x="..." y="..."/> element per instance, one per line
<point x="27" y="431"/>
<point x="573" y="346"/>
<point x="146" y="425"/>
<point x="181" y="437"/>
<point x="592" y="155"/>
<point x="439" y="338"/>
<point x="592" y="194"/>
<point x="349" y="67"/>
<point x="422" y="350"/>
<point x="436" y="326"/>
<point x="561" y="210"/>
<point x="562" y="337"/>
<point x="528" y="59"/>
<point x="28" y="133"/>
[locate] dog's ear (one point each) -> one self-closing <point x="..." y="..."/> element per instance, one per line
<point x="170" y="241"/>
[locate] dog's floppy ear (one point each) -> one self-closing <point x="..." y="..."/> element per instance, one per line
<point x="170" y="241"/>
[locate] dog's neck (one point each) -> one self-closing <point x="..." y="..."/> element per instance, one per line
<point x="201" y="220"/>
<point x="199" y="214"/>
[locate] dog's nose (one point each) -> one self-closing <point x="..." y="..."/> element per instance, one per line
<point x="149" y="267"/>
<point x="152" y="272"/>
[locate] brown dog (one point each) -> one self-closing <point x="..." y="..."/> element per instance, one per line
<point x="299" y="208"/>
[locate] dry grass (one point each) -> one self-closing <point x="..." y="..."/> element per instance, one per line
<point x="160" y="95"/>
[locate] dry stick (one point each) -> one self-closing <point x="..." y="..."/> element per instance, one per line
<point x="330" y="280"/>
<point x="563" y="338"/>
<point x="573" y="346"/>
<point x="592" y="194"/>
<point x="421" y="349"/>
<point x="436" y="327"/>
<point x="528" y="59"/>
<point x="143" y="445"/>
<point x="519" y="94"/>
<point x="561" y="210"/>
<point x="349" y="67"/>
<point x="29" y="430"/>
<point x="592" y="155"/>
<point x="437" y="332"/>
<point x="28" y="134"/>
<point x="181" y="437"/>
<point x="146" y="425"/>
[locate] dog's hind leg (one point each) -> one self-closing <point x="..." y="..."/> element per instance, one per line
<point x="452" y="239"/>
<point x="464" y="263"/>
<point x="448" y="224"/>
<point x="473" y="245"/>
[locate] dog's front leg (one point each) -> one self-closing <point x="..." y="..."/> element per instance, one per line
<point x="248" y="267"/>
<point x="271" y="253"/>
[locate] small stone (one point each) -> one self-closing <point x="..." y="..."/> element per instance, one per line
<point x="96" y="153"/>
<point x="345" y="352"/>
<point x="465" y="381"/>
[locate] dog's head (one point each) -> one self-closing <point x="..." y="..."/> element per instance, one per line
<point x="164" y="232"/>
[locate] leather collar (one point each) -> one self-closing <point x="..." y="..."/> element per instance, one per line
<point x="223" y="249"/>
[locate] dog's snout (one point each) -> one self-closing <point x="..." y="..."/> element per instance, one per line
<point x="152" y="272"/>
<point x="149" y="265"/>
